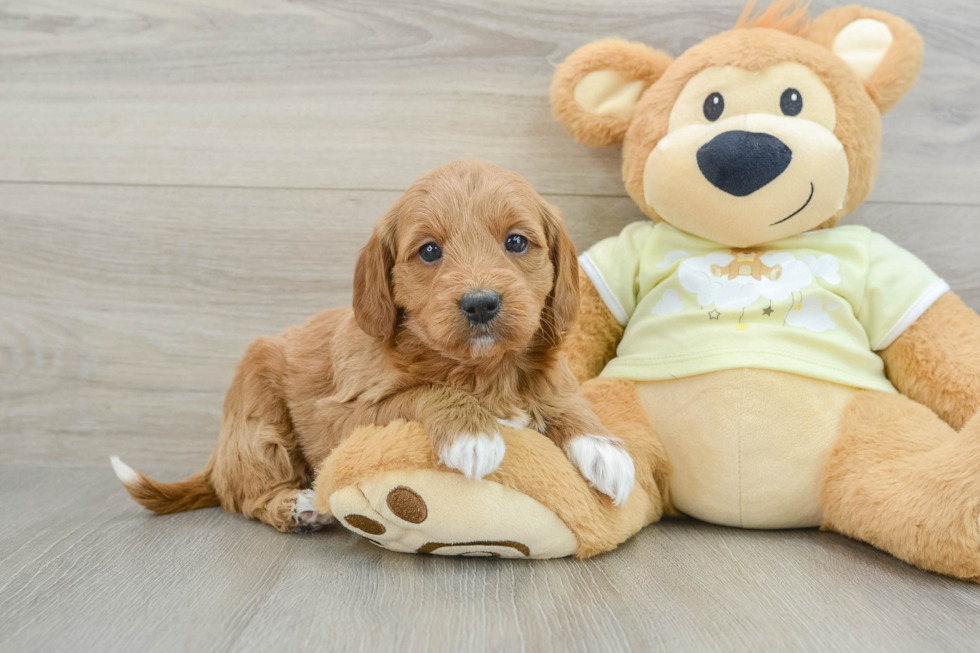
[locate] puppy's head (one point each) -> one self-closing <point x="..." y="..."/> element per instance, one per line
<point x="471" y="261"/>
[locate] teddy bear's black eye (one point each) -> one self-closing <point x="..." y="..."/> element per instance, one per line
<point x="714" y="106"/>
<point x="791" y="102"/>
<point x="516" y="243"/>
<point x="430" y="252"/>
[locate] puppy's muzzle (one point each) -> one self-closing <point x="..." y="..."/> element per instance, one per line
<point x="479" y="306"/>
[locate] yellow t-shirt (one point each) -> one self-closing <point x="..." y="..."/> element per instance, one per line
<point x="818" y="304"/>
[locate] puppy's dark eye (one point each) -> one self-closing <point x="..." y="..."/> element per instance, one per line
<point x="714" y="106"/>
<point x="430" y="252"/>
<point x="791" y="102"/>
<point x="516" y="243"/>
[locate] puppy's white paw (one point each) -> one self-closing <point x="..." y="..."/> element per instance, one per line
<point x="605" y="464"/>
<point x="306" y="516"/>
<point x="474" y="455"/>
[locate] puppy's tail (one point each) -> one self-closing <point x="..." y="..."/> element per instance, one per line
<point x="192" y="493"/>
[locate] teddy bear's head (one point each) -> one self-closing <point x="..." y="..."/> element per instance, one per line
<point x="762" y="132"/>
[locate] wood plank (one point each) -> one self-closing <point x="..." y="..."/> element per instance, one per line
<point x="101" y="574"/>
<point x="124" y="310"/>
<point x="372" y="94"/>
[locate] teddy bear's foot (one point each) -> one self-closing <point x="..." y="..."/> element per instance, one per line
<point x="428" y="511"/>
<point x="387" y="484"/>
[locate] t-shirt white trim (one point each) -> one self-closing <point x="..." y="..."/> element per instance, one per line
<point x="604" y="290"/>
<point x="921" y="305"/>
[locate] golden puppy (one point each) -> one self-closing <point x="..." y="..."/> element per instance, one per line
<point x="461" y="298"/>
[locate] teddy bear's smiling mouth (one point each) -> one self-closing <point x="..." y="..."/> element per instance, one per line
<point x="797" y="210"/>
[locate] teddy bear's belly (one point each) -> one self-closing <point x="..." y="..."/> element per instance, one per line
<point x="747" y="446"/>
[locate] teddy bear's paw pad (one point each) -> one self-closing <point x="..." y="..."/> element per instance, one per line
<point x="440" y="513"/>
<point x="305" y="516"/>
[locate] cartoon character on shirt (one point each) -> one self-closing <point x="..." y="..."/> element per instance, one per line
<point x="735" y="280"/>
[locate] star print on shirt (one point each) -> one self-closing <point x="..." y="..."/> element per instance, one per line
<point x="767" y="311"/>
<point x="713" y="314"/>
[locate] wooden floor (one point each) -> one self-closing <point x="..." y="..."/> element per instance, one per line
<point x="177" y="178"/>
<point x="85" y="569"/>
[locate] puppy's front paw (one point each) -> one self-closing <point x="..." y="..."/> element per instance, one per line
<point x="605" y="464"/>
<point x="305" y="515"/>
<point x="474" y="455"/>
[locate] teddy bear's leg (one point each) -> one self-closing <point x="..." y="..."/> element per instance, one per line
<point x="385" y="483"/>
<point x="900" y="478"/>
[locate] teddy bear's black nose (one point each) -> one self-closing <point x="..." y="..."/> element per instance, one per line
<point x="741" y="163"/>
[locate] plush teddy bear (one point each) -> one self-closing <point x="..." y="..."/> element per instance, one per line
<point x="796" y="373"/>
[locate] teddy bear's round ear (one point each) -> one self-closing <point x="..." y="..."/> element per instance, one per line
<point x="884" y="51"/>
<point x="596" y="89"/>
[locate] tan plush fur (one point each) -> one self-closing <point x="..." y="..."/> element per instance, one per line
<point x="936" y="361"/>
<point x="897" y="72"/>
<point x="405" y="350"/>
<point x="633" y="61"/>
<point x="903" y="480"/>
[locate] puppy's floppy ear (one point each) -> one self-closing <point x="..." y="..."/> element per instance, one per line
<point x="374" y="304"/>
<point x="563" y="302"/>
<point x="884" y="51"/>
<point x="595" y="91"/>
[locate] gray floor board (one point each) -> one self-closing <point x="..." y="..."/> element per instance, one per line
<point x="96" y="572"/>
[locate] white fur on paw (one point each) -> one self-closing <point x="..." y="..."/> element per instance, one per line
<point x="124" y="472"/>
<point x="474" y="455"/>
<point x="604" y="464"/>
<point x="305" y="514"/>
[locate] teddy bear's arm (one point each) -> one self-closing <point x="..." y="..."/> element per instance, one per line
<point x="936" y="361"/>
<point x="592" y="340"/>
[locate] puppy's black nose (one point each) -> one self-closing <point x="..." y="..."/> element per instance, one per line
<point x="480" y="306"/>
<point x="741" y="163"/>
